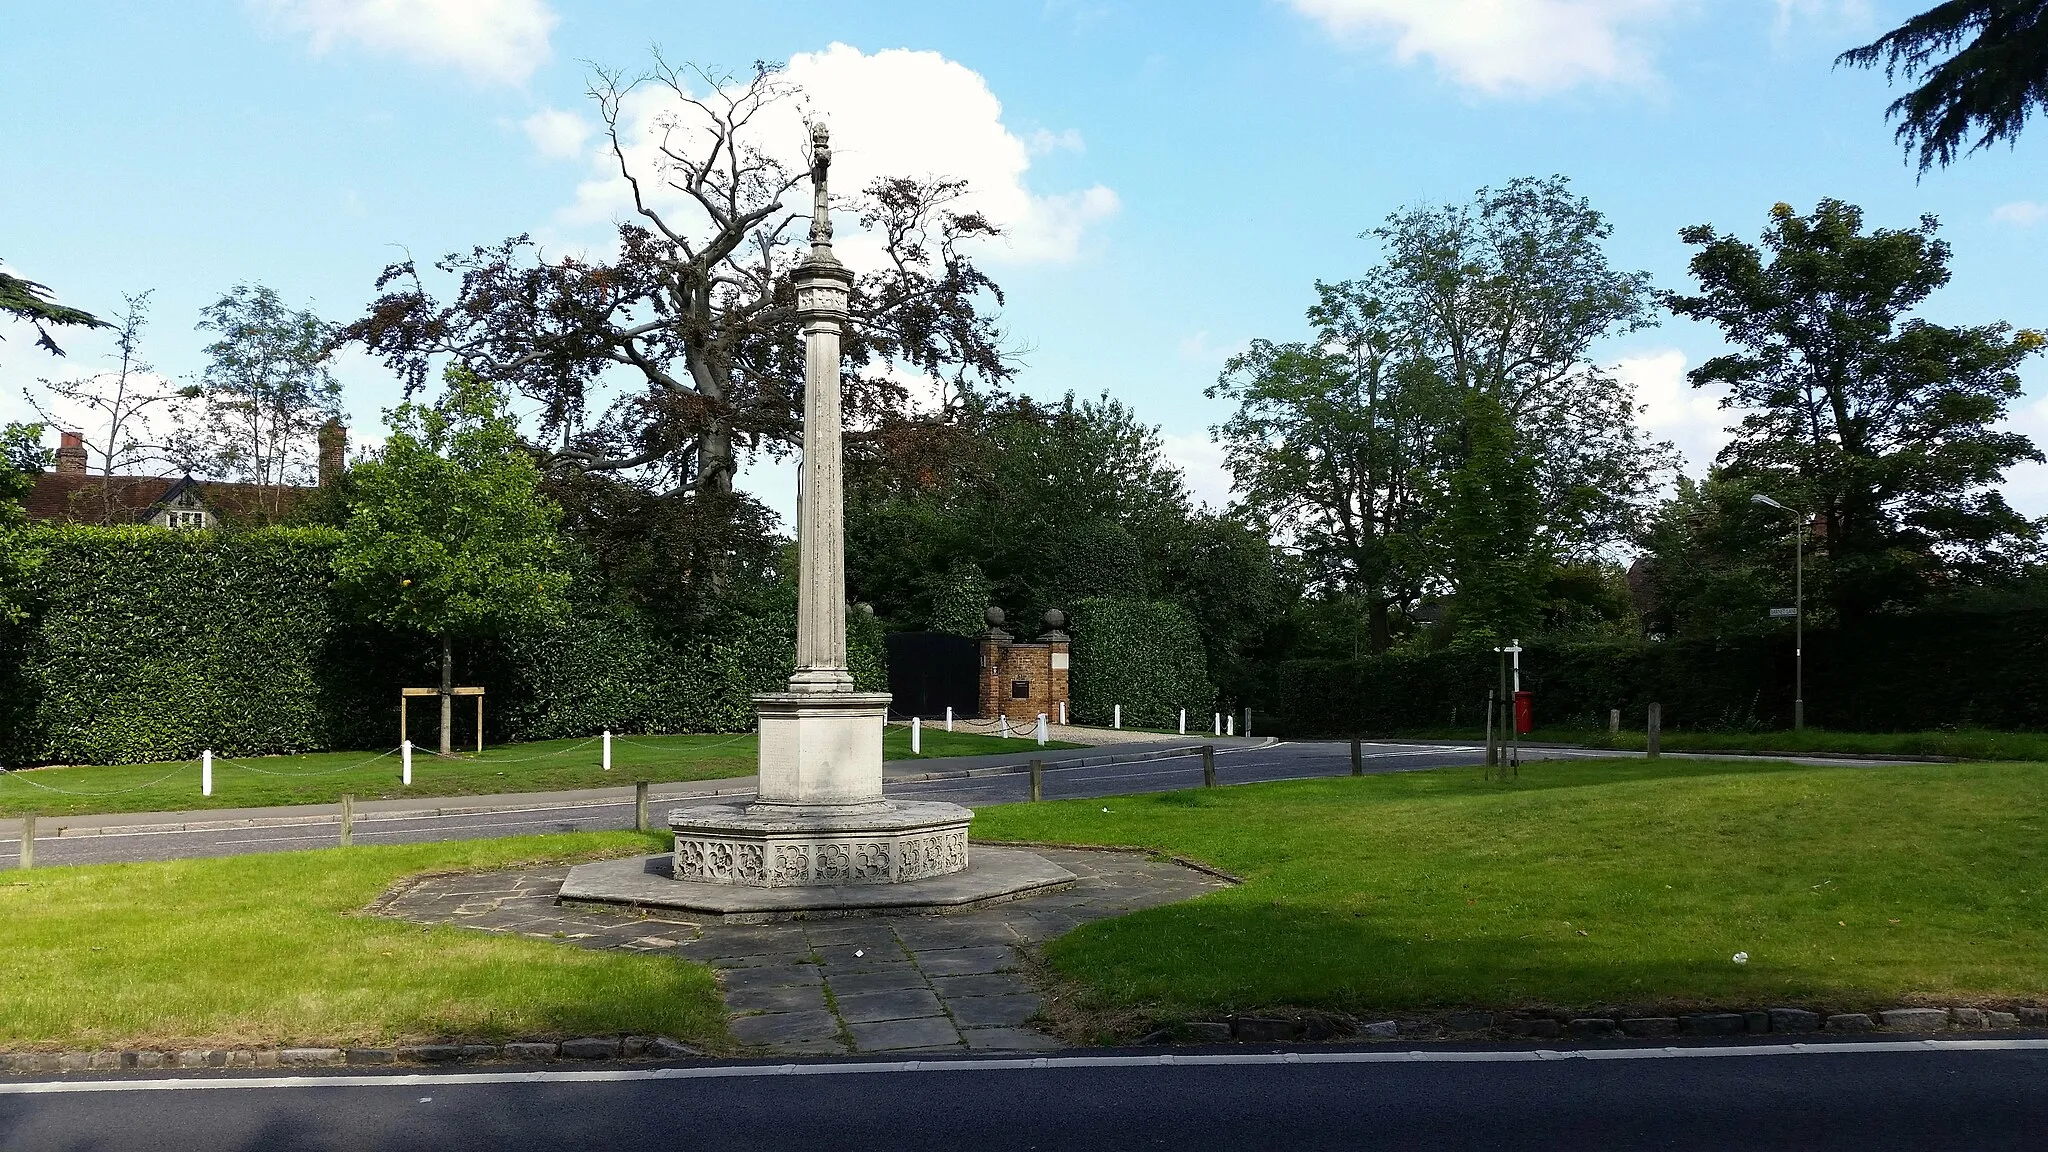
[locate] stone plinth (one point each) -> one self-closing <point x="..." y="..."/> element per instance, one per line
<point x="772" y="846"/>
<point x="822" y="750"/>
<point x="998" y="875"/>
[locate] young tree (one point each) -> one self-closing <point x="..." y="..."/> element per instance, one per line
<point x="30" y="303"/>
<point x="266" y="388"/>
<point x="448" y="535"/>
<point x="1880" y="423"/>
<point x="125" y="404"/>
<point x="1986" y="87"/>
<point x="697" y="308"/>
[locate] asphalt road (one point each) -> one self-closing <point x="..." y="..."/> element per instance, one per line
<point x="1927" y="1096"/>
<point x="1235" y="766"/>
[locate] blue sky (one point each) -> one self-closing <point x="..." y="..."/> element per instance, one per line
<point x="1177" y="174"/>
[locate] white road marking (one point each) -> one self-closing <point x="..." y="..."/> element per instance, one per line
<point x="1023" y="1064"/>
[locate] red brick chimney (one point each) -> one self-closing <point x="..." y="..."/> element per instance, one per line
<point x="71" y="454"/>
<point x="333" y="451"/>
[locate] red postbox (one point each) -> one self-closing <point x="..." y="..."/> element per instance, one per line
<point x="1525" y="712"/>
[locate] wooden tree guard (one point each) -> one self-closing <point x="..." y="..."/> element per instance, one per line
<point x="405" y="694"/>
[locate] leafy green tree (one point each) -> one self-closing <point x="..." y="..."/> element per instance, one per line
<point x="1508" y="296"/>
<point x="1330" y="444"/>
<point x="448" y="535"/>
<point x="1489" y="529"/>
<point x="22" y="459"/>
<point x="30" y="303"/>
<point x="1881" y="424"/>
<point x="266" y="390"/>
<point x="1982" y="67"/>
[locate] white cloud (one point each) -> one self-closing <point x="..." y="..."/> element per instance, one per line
<point x="1044" y="141"/>
<point x="1201" y="462"/>
<point x="1204" y="351"/>
<point x="493" y="40"/>
<point x="1526" y="47"/>
<point x="557" y="134"/>
<point x="1691" y="418"/>
<point x="2025" y="213"/>
<point x="893" y="113"/>
<point x="2026" y="485"/>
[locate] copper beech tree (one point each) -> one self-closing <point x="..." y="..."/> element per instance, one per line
<point x="692" y="321"/>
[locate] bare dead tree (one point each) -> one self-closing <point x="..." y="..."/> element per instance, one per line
<point x="696" y="309"/>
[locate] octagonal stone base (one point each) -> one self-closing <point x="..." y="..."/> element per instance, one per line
<point x="998" y="875"/>
<point x="787" y="846"/>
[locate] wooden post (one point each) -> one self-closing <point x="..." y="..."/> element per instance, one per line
<point x="1037" y="780"/>
<point x="28" y="840"/>
<point x="1357" y="757"/>
<point x="348" y="819"/>
<point x="1491" y="758"/>
<point x="1614" y="721"/>
<point x="402" y="710"/>
<point x="640" y="806"/>
<point x="1208" y="765"/>
<point x="1654" y="737"/>
<point x="479" y="721"/>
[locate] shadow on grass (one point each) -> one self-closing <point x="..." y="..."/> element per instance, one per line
<point x="1236" y="951"/>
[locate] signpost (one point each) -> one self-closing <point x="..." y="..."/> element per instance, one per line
<point x="1798" y="610"/>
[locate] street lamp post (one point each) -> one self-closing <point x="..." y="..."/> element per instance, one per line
<point x="1798" y="608"/>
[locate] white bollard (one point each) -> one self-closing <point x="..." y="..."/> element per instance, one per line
<point x="405" y="758"/>
<point x="1003" y="722"/>
<point x="607" y="749"/>
<point x="1219" y="723"/>
<point x="949" y="717"/>
<point x="1118" y="721"/>
<point x="1183" y="721"/>
<point x="206" y="772"/>
<point x="1230" y="724"/>
<point x="1063" y="713"/>
<point x="916" y="734"/>
<point x="1041" y="729"/>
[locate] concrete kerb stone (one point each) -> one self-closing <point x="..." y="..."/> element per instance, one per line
<point x="583" y="1048"/>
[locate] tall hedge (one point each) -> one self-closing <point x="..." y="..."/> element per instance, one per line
<point x="1908" y="673"/>
<point x="147" y="644"/>
<point x="1145" y="655"/>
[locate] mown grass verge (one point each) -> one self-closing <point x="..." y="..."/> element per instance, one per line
<point x="1961" y="744"/>
<point x="272" y="950"/>
<point x="322" y="778"/>
<point x="1585" y="884"/>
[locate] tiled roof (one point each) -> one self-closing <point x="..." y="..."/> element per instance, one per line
<point x="69" y="497"/>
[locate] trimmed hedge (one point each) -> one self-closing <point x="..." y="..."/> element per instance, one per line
<point x="1910" y="673"/>
<point x="1145" y="655"/>
<point x="147" y="644"/>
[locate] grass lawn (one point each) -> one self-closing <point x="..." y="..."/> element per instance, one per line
<point x="270" y="950"/>
<point x="1964" y="744"/>
<point x="319" y="778"/>
<point x="1587" y="884"/>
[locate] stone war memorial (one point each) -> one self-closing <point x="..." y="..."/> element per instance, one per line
<point x="819" y="839"/>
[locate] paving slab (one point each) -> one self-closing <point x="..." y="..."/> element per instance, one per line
<point x="896" y="979"/>
<point x="985" y="1011"/>
<point x="959" y="978"/>
<point x="780" y="1028"/>
<point x="967" y="961"/>
<point x="905" y="1004"/>
<point x="891" y="1035"/>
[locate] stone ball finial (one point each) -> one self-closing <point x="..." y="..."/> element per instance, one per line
<point x="1055" y="620"/>
<point x="994" y="616"/>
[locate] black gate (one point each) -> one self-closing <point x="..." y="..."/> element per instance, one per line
<point x="932" y="671"/>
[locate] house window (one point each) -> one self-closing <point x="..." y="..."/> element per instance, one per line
<point x="1020" y="689"/>
<point x="182" y="519"/>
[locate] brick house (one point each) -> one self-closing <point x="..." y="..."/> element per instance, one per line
<point x="69" y="494"/>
